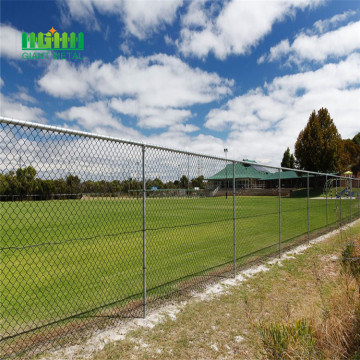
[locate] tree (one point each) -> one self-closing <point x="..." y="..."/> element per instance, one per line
<point x="288" y="160"/>
<point x="356" y="139"/>
<point x="292" y="161"/>
<point x="73" y="184"/>
<point x="350" y="155"/>
<point x="155" y="183"/>
<point x="169" y="185"/>
<point x="25" y="180"/>
<point x="198" y="182"/>
<point x="5" y="188"/>
<point x="184" y="181"/>
<point x="285" y="162"/>
<point x="319" y="146"/>
<point x="356" y="168"/>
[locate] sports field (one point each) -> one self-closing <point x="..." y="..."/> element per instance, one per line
<point x="64" y="257"/>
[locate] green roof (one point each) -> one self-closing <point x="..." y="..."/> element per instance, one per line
<point x="249" y="172"/>
<point x="283" y="175"/>
<point x="241" y="172"/>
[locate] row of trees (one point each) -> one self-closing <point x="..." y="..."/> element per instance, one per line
<point x="23" y="182"/>
<point x="319" y="147"/>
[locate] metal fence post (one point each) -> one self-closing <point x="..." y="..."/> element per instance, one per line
<point x="226" y="172"/>
<point x="340" y="204"/>
<point x="144" y="230"/>
<point x="308" y="210"/>
<point x="350" y="199"/>
<point x="327" y="213"/>
<point x="234" y="217"/>
<point x="279" y="213"/>
<point x="188" y="176"/>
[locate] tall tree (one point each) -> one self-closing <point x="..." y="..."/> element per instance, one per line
<point x="356" y="168"/>
<point x="25" y="180"/>
<point x="288" y="160"/>
<point x="184" y="181"/>
<point x="351" y="154"/>
<point x="292" y="161"/>
<point x="319" y="146"/>
<point x="73" y="184"/>
<point x="285" y="162"/>
<point x="356" y="139"/>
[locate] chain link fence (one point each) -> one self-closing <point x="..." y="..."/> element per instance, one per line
<point x="96" y="228"/>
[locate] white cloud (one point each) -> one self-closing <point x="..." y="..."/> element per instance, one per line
<point x="97" y="117"/>
<point x="10" y="42"/>
<point x="235" y="28"/>
<point x="327" y="24"/>
<point x="337" y="43"/>
<point x="168" y="41"/>
<point x="64" y="80"/>
<point x="80" y="10"/>
<point x="126" y="47"/>
<point x="261" y="59"/>
<point x="266" y="120"/>
<point x="187" y="128"/>
<point x="23" y="95"/>
<point x="2" y="83"/>
<point x="141" y="18"/>
<point x="156" y="89"/>
<point x="158" y="80"/>
<point x="14" y="109"/>
<point x="279" y="50"/>
<point x="197" y="14"/>
<point x="150" y="116"/>
<point x="177" y="138"/>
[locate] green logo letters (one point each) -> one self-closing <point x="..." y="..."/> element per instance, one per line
<point x="52" y="41"/>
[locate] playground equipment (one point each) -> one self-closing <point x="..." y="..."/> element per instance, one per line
<point x="335" y="187"/>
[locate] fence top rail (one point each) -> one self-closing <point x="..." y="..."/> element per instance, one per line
<point x="62" y="130"/>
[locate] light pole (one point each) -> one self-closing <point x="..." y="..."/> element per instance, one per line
<point x="226" y="151"/>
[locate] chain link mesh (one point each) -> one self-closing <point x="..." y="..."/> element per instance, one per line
<point x="95" y="229"/>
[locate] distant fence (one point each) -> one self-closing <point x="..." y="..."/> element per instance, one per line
<point x="96" y="228"/>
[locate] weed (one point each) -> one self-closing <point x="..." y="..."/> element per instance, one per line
<point x="288" y="341"/>
<point x="351" y="258"/>
<point x="336" y="331"/>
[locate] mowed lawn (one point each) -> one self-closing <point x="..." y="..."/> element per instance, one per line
<point x="64" y="257"/>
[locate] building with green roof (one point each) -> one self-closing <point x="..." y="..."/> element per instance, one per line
<point x="256" y="177"/>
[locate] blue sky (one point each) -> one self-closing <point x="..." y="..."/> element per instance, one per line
<point x="197" y="75"/>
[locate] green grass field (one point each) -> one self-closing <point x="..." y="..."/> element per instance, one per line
<point x="64" y="257"/>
